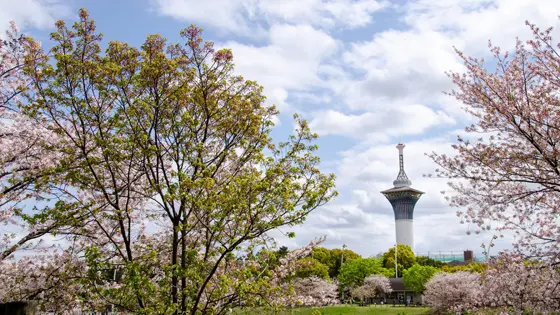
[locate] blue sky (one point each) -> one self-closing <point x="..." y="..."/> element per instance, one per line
<point x="365" y="73"/>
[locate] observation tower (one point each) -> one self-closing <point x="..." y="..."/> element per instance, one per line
<point x="403" y="198"/>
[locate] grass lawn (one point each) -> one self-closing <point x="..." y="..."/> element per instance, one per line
<point x="345" y="310"/>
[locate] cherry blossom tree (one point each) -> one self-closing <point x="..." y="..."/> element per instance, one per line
<point x="21" y="152"/>
<point x="515" y="285"/>
<point x="374" y="286"/>
<point x="510" y="284"/>
<point x="314" y="291"/>
<point x="377" y="284"/>
<point x="12" y="52"/>
<point x="11" y="78"/>
<point x="163" y="161"/>
<point x="507" y="169"/>
<point x="454" y="292"/>
<point x="28" y="151"/>
<point x="46" y="278"/>
<point x="360" y="293"/>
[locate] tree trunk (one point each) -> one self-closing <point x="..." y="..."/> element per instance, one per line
<point x="18" y="308"/>
<point x="174" y="278"/>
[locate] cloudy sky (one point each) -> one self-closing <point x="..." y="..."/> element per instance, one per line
<point x="366" y="74"/>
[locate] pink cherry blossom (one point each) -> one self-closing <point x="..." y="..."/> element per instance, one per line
<point x="314" y="291"/>
<point x="505" y="172"/>
<point x="374" y="286"/>
<point x="454" y="292"/>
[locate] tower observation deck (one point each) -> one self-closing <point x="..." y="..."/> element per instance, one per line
<point x="403" y="198"/>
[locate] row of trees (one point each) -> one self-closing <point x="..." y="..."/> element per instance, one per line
<point x="154" y="170"/>
<point x="508" y="283"/>
<point x="352" y="277"/>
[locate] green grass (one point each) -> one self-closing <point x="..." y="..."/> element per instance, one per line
<point x="344" y="310"/>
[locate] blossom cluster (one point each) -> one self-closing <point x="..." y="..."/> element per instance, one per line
<point x="373" y="286"/>
<point x="314" y="291"/>
<point x="510" y="284"/>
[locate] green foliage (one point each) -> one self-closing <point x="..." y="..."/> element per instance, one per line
<point x="427" y="261"/>
<point x="333" y="257"/>
<point x="416" y="277"/>
<point x="405" y="258"/>
<point x="354" y="272"/>
<point x="308" y="267"/>
<point x="472" y="267"/>
<point x="340" y="310"/>
<point x="477" y="267"/>
<point x="282" y="251"/>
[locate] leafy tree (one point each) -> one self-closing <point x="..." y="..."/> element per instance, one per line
<point x="282" y="251"/>
<point x="308" y="267"/>
<point x="339" y="256"/>
<point x="167" y="134"/>
<point x="427" y="261"/>
<point x="477" y="267"/>
<point x="355" y="271"/>
<point x="333" y="257"/>
<point x="416" y="277"/>
<point x="405" y="258"/>
<point x="472" y="267"/>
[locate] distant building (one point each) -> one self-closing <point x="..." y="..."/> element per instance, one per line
<point x="468" y="257"/>
<point x="403" y="198"/>
<point x="464" y="257"/>
<point x="401" y="295"/>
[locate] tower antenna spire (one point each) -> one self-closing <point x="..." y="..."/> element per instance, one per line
<point x="402" y="180"/>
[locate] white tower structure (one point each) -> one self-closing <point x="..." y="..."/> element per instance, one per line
<point x="403" y="198"/>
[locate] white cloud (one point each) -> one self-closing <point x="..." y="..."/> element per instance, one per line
<point x="285" y="63"/>
<point x="380" y="124"/>
<point x="474" y="22"/>
<point x="408" y="65"/>
<point x="401" y="66"/>
<point x="228" y="15"/>
<point x="327" y="14"/>
<point x="247" y="16"/>
<point x="31" y="13"/>
<point x="365" y="233"/>
<point x="369" y="222"/>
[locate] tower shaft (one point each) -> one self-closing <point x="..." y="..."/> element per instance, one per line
<point x="404" y="229"/>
